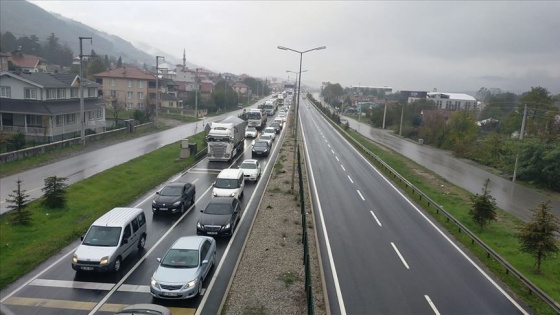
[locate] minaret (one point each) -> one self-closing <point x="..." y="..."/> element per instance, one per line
<point x="184" y="59"/>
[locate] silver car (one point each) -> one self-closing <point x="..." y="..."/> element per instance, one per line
<point x="184" y="267"/>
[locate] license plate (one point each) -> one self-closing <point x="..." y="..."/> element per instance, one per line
<point x="163" y="209"/>
<point x="87" y="268"/>
<point x="169" y="294"/>
<point x="212" y="233"/>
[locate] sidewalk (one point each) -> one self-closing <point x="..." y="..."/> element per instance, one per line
<point x="511" y="197"/>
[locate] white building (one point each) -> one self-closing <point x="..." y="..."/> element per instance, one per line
<point x="454" y="101"/>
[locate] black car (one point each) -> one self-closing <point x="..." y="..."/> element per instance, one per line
<point x="261" y="147"/>
<point x="277" y="126"/>
<point x="174" y="197"/>
<point x="220" y="217"/>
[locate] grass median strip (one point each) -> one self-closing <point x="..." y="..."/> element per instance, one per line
<point x="24" y="247"/>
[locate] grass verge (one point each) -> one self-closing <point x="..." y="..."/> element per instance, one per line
<point x="24" y="247"/>
<point x="500" y="235"/>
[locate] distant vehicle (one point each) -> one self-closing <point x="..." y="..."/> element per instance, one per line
<point x="282" y="115"/>
<point x="220" y="217"/>
<point x="270" y="106"/>
<point x="277" y="126"/>
<point x="239" y="106"/>
<point x="184" y="267"/>
<point x="256" y="118"/>
<point x="270" y="130"/>
<point x="141" y="309"/>
<point x="174" y="197"/>
<point x="251" y="132"/>
<point x="268" y="137"/>
<point x="251" y="169"/>
<point x="226" y="139"/>
<point x="261" y="147"/>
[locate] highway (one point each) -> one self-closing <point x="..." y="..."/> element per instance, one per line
<point x="381" y="253"/>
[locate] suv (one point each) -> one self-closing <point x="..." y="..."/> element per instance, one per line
<point x="220" y="217"/>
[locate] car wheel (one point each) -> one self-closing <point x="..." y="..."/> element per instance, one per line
<point x="192" y="200"/>
<point x="142" y="242"/>
<point x="200" y="287"/>
<point x="183" y="207"/>
<point x="117" y="265"/>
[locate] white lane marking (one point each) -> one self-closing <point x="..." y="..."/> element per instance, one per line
<point x="343" y="167"/>
<point x="400" y="256"/>
<point x="332" y="151"/>
<point x="361" y="196"/>
<point x="328" y="145"/>
<point x="337" y="158"/>
<point x="326" y="140"/>
<point x="326" y="236"/>
<point x="484" y="274"/>
<point x="350" y="178"/>
<point x="90" y="285"/>
<point x="432" y="305"/>
<point x="375" y="217"/>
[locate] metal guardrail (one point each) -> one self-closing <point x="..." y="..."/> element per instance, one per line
<point x="474" y="239"/>
<point x="304" y="240"/>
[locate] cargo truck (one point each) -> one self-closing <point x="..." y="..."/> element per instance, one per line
<point x="256" y="118"/>
<point x="226" y="139"/>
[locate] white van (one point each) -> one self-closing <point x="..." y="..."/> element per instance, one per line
<point x="230" y="183"/>
<point x="110" y="239"/>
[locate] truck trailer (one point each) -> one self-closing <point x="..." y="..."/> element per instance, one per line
<point x="226" y="139"/>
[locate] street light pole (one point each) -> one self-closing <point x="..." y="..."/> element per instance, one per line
<point x="297" y="104"/>
<point x="196" y="94"/>
<point x="157" y="84"/>
<point x="520" y="138"/>
<point x="82" y="110"/>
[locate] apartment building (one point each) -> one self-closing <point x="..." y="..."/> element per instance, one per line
<point x="130" y="87"/>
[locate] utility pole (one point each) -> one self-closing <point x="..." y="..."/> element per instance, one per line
<point x="82" y="114"/>
<point x="384" y="113"/>
<point x="157" y="84"/>
<point x="196" y="94"/>
<point x="402" y="114"/>
<point x="520" y="138"/>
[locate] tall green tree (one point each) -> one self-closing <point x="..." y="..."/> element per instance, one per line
<point x="8" y="42"/>
<point x="483" y="209"/>
<point x="95" y="65"/>
<point x="17" y="203"/>
<point x="54" y="192"/>
<point x="537" y="236"/>
<point x="119" y="62"/>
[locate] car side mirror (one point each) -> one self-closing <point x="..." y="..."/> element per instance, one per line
<point x="214" y="184"/>
<point x="201" y="210"/>
<point x="82" y="238"/>
<point x="158" y="259"/>
<point x="205" y="261"/>
<point x="157" y="192"/>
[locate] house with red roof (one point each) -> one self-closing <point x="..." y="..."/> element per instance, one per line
<point x="128" y="87"/>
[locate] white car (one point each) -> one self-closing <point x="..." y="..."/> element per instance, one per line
<point x="282" y="116"/>
<point x="269" y="130"/>
<point x="268" y="137"/>
<point x="251" y="132"/>
<point x="251" y="169"/>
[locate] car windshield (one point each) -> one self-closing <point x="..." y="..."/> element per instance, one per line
<point x="180" y="258"/>
<point x="226" y="183"/>
<point x="269" y="130"/>
<point x="218" y="209"/>
<point x="251" y="129"/>
<point x="261" y="144"/>
<point x="266" y="136"/>
<point x="249" y="166"/>
<point x="171" y="191"/>
<point x="254" y="115"/>
<point x="103" y="236"/>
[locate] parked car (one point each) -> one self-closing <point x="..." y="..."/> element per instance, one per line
<point x="277" y="126"/>
<point x="220" y="217"/>
<point x="174" y="197"/>
<point x="148" y="309"/>
<point x="251" y="132"/>
<point x="251" y="169"/>
<point x="270" y="130"/>
<point x="184" y="267"/>
<point x="261" y="147"/>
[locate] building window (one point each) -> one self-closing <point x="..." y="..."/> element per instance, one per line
<point x="98" y="114"/>
<point x="129" y="106"/>
<point x="5" y="92"/>
<point x="74" y="93"/>
<point x="140" y="84"/>
<point x="92" y="92"/>
<point x="129" y="94"/>
<point x="51" y="94"/>
<point x="59" y="120"/>
<point x="30" y="94"/>
<point x="113" y="82"/>
<point x="113" y="93"/>
<point x="91" y="115"/>
<point x="140" y="95"/>
<point x="140" y="105"/>
<point x="70" y="119"/>
<point x="60" y="93"/>
<point x="129" y="83"/>
<point x="33" y="120"/>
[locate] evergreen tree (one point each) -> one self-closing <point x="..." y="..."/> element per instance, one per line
<point x="119" y="63"/>
<point x="18" y="203"/>
<point x="55" y="195"/>
<point x="537" y="236"/>
<point x="483" y="207"/>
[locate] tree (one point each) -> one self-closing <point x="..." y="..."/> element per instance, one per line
<point x="108" y="64"/>
<point x="119" y="62"/>
<point x="18" y="202"/>
<point x="537" y="236"/>
<point x="483" y="207"/>
<point x="117" y="108"/>
<point x="8" y="42"/>
<point x="95" y="66"/>
<point x="54" y="193"/>
<point x="17" y="141"/>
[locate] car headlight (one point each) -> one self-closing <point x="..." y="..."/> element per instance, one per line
<point x="190" y="284"/>
<point x="154" y="202"/>
<point x="232" y="194"/>
<point x="175" y="204"/>
<point x="227" y="226"/>
<point x="154" y="283"/>
<point x="75" y="259"/>
<point x="198" y="225"/>
<point x="104" y="260"/>
<point x="214" y="193"/>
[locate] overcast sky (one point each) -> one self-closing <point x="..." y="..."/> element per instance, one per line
<point x="453" y="46"/>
